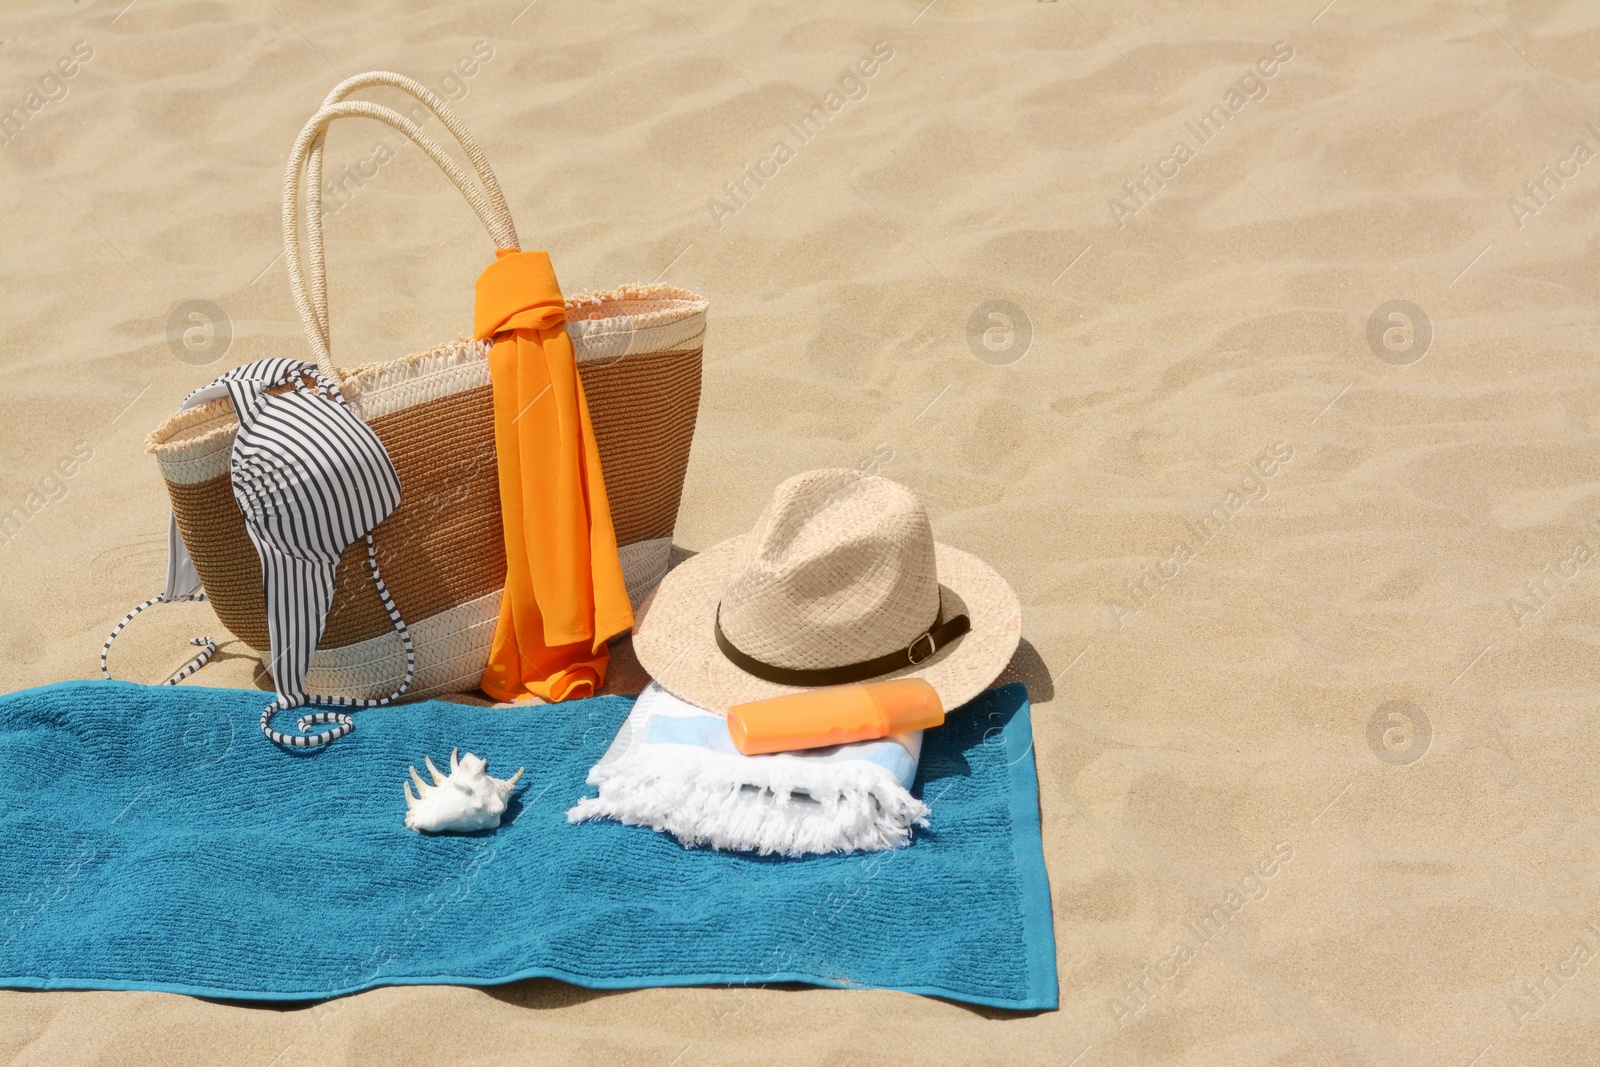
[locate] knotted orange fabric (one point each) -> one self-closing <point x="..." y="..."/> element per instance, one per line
<point x="564" y="596"/>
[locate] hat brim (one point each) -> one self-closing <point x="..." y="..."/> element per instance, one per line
<point x="675" y="639"/>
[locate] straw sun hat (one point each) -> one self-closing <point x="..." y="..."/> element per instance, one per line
<point x="840" y="581"/>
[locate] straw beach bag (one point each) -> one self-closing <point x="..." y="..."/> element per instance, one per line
<point x="442" y="554"/>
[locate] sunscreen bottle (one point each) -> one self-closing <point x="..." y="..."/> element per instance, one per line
<point x="834" y="716"/>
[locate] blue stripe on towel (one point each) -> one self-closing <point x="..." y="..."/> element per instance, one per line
<point x="148" y="844"/>
<point x="710" y="731"/>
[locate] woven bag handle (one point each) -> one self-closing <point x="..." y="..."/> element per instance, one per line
<point x="457" y="129"/>
<point x="487" y="201"/>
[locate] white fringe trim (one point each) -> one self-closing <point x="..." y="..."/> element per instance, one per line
<point x="765" y="806"/>
<point x="379" y="389"/>
<point x="196" y="445"/>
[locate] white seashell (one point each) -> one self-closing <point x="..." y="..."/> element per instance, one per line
<point x="465" y="801"/>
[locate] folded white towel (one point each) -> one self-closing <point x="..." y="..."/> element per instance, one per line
<point x="673" y="767"/>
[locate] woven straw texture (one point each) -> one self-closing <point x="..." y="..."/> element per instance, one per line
<point x="452" y="645"/>
<point x="840" y="567"/>
<point x="442" y="550"/>
<point x="643" y="408"/>
<point x="451" y="648"/>
<point x="443" y="546"/>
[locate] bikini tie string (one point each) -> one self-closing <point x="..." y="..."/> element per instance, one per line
<point x="207" y="645"/>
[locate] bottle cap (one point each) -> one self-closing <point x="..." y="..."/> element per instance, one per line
<point x="738" y="731"/>
<point x="908" y="704"/>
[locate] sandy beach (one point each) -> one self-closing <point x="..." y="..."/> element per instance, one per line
<point x="1254" y="344"/>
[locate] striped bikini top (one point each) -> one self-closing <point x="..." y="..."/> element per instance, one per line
<point x="310" y="479"/>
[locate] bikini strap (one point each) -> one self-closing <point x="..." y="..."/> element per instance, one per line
<point x="207" y="645"/>
<point x="343" y="723"/>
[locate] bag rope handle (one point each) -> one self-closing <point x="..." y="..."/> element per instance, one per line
<point x="207" y="646"/>
<point x="490" y="209"/>
<point x="313" y="192"/>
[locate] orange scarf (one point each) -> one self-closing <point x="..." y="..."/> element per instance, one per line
<point x="564" y="595"/>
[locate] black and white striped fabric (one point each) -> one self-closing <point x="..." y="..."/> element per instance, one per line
<point x="183" y="581"/>
<point x="207" y="646"/>
<point x="310" y="479"/>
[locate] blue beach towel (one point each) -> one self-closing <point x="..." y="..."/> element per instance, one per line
<point x="152" y="840"/>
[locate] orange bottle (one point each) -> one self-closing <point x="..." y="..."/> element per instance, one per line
<point x="834" y="716"/>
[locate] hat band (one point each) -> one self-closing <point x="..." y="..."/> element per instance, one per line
<point x="937" y="636"/>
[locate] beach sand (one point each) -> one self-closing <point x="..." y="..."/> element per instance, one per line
<point x="1241" y="527"/>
